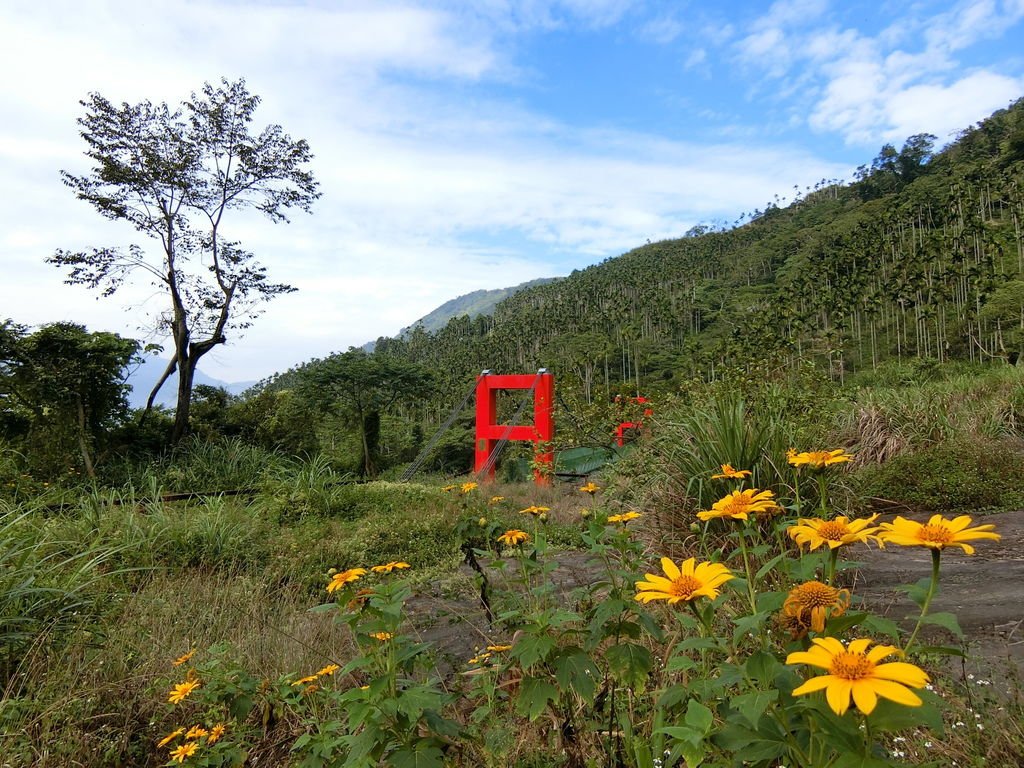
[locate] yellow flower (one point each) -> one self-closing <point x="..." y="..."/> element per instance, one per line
<point x="389" y="567"/>
<point x="449" y="488"/>
<point x="816" y="601"/>
<point x="624" y="518"/>
<point x="216" y="732"/>
<point x="304" y="680"/>
<point x="738" y="504"/>
<point x="310" y="689"/>
<point x="938" y="533"/>
<point x="685" y="582"/>
<point x="339" y="580"/>
<point x="182" y="659"/>
<point x="329" y="670"/>
<point x="590" y="488"/>
<point x="467" y="487"/>
<point x="728" y="473"/>
<point x="818" y="459"/>
<point x="382" y="636"/>
<point x="185" y="750"/>
<point x="196" y="732"/>
<point x="170" y="737"/>
<point x="496" y="499"/>
<point x="480" y="658"/>
<point x="499" y="648"/>
<point x="512" y="537"/>
<point x="836" y="532"/>
<point x="854" y="673"/>
<point x="534" y="510"/>
<point x="181" y="691"/>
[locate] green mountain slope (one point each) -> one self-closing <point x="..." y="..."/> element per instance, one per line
<point x="922" y="256"/>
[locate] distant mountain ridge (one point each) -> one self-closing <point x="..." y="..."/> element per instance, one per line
<point x="471" y="304"/>
<point x="144" y="378"/>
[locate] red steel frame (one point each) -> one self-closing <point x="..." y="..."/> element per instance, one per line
<point x="541" y="432"/>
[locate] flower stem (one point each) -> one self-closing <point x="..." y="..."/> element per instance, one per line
<point x="830" y="573"/>
<point x="933" y="586"/>
<point x="746" y="565"/>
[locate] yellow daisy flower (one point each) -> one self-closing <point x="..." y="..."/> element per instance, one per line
<point x="467" y="487"/>
<point x="389" y="567"/>
<point x="499" y="648"/>
<point x="182" y="659"/>
<point x="590" y="488"/>
<point x="512" y="537"/>
<point x="304" y="680"/>
<point x="836" y="532"/>
<point x="817" y="601"/>
<point x="170" y="737"/>
<point x="449" y="488"/>
<point x="329" y="670"/>
<point x="496" y="499"/>
<point x="684" y="582"/>
<point x="854" y="672"/>
<point x="534" y="510"/>
<point x="624" y="518"/>
<point x="728" y="473"/>
<point x="938" y="533"/>
<point x="188" y="749"/>
<point x="181" y="691"/>
<point x="196" y="732"/>
<point x="382" y="636"/>
<point x="738" y="504"/>
<point x="216" y="732"/>
<point x="339" y="580"/>
<point x="818" y="459"/>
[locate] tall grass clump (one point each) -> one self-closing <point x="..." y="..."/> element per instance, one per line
<point x="48" y="586"/>
<point x="214" y="465"/>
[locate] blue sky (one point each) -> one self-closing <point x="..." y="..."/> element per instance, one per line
<point x="466" y="145"/>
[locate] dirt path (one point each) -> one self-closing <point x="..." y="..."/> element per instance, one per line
<point x="984" y="590"/>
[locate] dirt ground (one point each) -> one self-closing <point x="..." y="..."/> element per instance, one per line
<point x="985" y="591"/>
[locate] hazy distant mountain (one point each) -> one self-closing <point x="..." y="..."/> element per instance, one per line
<point x="145" y="377"/>
<point x="480" y="302"/>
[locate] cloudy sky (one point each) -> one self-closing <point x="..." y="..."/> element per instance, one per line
<point x="478" y="144"/>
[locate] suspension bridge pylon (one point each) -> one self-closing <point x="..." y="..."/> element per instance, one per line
<point x="491" y="436"/>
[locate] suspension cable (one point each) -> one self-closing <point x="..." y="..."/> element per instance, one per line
<point x="503" y="441"/>
<point x="413" y="468"/>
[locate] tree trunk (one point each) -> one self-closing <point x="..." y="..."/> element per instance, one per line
<point x="83" y="444"/>
<point x="186" y="373"/>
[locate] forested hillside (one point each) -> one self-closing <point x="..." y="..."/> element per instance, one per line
<point x="921" y="256"/>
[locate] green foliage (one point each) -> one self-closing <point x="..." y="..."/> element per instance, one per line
<point x="960" y="475"/>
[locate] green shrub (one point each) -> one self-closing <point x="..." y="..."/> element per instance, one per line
<point x="959" y="475"/>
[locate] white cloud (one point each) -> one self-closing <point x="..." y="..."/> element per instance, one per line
<point x="902" y="81"/>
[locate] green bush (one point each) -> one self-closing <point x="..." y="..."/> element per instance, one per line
<point x="955" y="476"/>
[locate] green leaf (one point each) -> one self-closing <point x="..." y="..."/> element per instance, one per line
<point x="748" y="745"/>
<point x="423" y="754"/>
<point x="879" y="625"/>
<point x="917" y="592"/>
<point x="534" y="695"/>
<point x="575" y="671"/>
<point x="629" y="663"/>
<point x="532" y="648"/>
<point x="848" y="760"/>
<point x="764" y="569"/>
<point x="699" y="717"/>
<point x="892" y="717"/>
<point x="753" y="705"/>
<point x="945" y="620"/>
<point x="839" y="624"/>
<point x="748" y="625"/>
<point x="763" y="667"/>
<point x="941" y="650"/>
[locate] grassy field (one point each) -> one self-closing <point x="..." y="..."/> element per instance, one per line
<point x="103" y="589"/>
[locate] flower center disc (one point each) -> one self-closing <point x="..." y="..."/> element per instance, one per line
<point x="832" y="530"/>
<point x="815" y="594"/>
<point x="938" y="534"/>
<point x="851" y="666"/>
<point x="685" y="586"/>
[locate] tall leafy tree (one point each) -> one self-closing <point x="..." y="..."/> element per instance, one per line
<point x="65" y="387"/>
<point x="361" y="387"/>
<point x="173" y="175"/>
